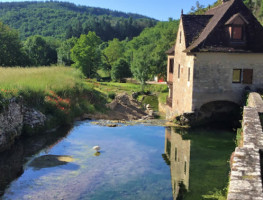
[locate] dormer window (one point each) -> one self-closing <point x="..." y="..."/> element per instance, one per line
<point x="236" y="32"/>
<point x="236" y="28"/>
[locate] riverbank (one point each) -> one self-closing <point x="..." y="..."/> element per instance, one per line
<point x="34" y="100"/>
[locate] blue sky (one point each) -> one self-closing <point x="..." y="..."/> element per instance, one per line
<point x="158" y="9"/>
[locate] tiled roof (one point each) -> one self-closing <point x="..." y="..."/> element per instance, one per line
<point x="214" y="37"/>
<point x="193" y="25"/>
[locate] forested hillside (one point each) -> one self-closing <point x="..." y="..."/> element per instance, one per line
<point x="63" y="20"/>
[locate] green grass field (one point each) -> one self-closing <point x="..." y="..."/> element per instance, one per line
<point x="59" y="92"/>
<point x="39" y="78"/>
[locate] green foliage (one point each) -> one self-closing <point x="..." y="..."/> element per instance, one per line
<point x="147" y="51"/>
<point x="152" y="100"/>
<point x="113" y="52"/>
<point x="10" y="47"/>
<point x="120" y="70"/>
<point x="239" y="137"/>
<point x="40" y="53"/>
<point x="141" y="64"/>
<point x="64" y="20"/>
<point x="112" y="95"/>
<point x="64" y="54"/>
<point x="86" y="54"/>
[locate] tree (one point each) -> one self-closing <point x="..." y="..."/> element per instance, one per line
<point x="150" y="47"/>
<point x="120" y="70"/>
<point x="10" y="47"/>
<point x="86" y="54"/>
<point x="113" y="52"/>
<point x="141" y="64"/>
<point x="64" y="54"/>
<point x="39" y="51"/>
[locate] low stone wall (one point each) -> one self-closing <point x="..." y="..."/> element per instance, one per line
<point x="245" y="178"/>
<point x="15" y="116"/>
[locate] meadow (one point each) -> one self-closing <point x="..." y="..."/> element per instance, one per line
<point x="59" y="92"/>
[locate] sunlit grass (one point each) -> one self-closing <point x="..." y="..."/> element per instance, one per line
<point x="39" y="78"/>
<point x="59" y="92"/>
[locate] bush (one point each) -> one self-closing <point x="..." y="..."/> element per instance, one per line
<point x="112" y="95"/>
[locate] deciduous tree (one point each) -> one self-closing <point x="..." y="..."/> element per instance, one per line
<point x="86" y="54"/>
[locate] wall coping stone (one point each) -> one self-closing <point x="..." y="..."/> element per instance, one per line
<point x="245" y="178"/>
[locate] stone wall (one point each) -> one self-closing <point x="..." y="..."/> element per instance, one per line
<point x="182" y="88"/>
<point x="15" y="116"/>
<point x="213" y="74"/>
<point x="245" y="177"/>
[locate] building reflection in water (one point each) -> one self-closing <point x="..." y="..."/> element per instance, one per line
<point x="177" y="155"/>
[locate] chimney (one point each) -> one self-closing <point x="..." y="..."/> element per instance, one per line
<point x="224" y="1"/>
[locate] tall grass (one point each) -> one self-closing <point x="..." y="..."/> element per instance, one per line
<point x="58" y="92"/>
<point x="39" y="78"/>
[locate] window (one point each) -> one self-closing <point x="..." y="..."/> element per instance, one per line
<point x="236" y="32"/>
<point x="185" y="164"/>
<point x="189" y="73"/>
<point x="245" y="76"/>
<point x="179" y="69"/>
<point x="236" y="76"/>
<point x="171" y="65"/>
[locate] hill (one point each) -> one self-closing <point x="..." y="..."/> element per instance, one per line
<point x="63" y="20"/>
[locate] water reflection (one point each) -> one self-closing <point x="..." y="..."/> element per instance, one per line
<point x="12" y="161"/>
<point x="177" y="155"/>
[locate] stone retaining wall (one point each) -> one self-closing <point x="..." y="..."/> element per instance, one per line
<point x="15" y="116"/>
<point x="245" y="179"/>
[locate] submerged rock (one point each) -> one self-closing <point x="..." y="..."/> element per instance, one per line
<point x="48" y="161"/>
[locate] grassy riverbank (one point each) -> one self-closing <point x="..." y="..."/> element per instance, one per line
<point x="59" y="92"/>
<point x="111" y="89"/>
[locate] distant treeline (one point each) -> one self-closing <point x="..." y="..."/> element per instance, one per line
<point x="63" y="20"/>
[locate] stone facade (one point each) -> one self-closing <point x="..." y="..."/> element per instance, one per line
<point x="182" y="86"/>
<point x="246" y="174"/>
<point x="213" y="73"/>
<point x="211" y="78"/>
<point x="210" y="63"/>
<point x="177" y="152"/>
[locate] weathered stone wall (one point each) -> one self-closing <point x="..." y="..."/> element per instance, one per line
<point x="213" y="74"/>
<point x="11" y="124"/>
<point x="182" y="88"/>
<point x="13" y="118"/>
<point x="245" y="178"/>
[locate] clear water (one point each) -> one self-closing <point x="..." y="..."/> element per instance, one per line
<point x="136" y="162"/>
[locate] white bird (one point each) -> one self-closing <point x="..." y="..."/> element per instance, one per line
<point x="96" y="148"/>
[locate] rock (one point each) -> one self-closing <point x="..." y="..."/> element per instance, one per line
<point x="148" y="106"/>
<point x="14" y="117"/>
<point x="111" y="125"/>
<point x="33" y="118"/>
<point x="86" y="116"/>
<point x="124" y="107"/>
<point x="11" y="123"/>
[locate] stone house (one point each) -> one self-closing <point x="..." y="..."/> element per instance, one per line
<point x="216" y="57"/>
<point x="177" y="156"/>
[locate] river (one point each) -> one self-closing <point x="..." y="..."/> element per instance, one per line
<point x="135" y="162"/>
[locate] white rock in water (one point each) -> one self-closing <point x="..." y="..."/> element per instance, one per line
<point x="96" y="148"/>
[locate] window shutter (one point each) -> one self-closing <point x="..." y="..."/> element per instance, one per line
<point x="247" y="76"/>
